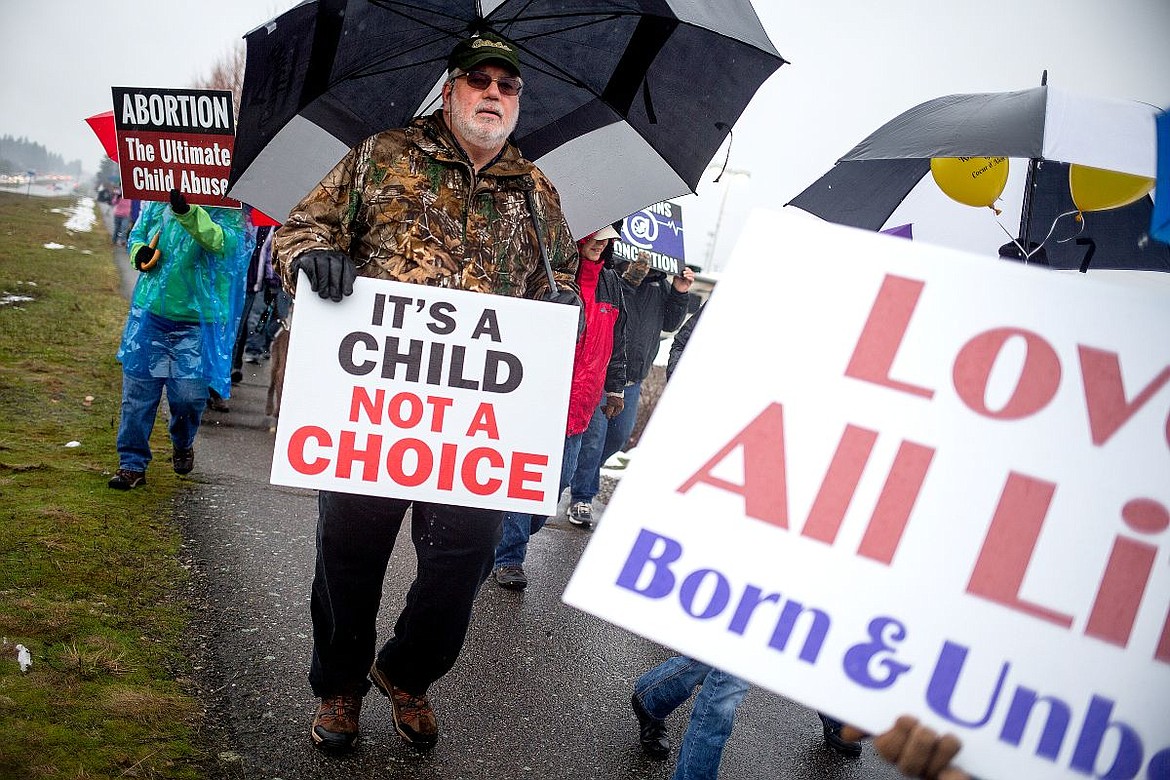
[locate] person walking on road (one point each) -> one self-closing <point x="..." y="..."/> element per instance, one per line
<point x="180" y="328"/>
<point x="599" y="372"/>
<point x="664" y="688"/>
<point x="444" y="202"/>
<point x="652" y="305"/>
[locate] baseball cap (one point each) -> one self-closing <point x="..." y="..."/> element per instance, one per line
<point x="604" y="233"/>
<point x="485" y="47"/>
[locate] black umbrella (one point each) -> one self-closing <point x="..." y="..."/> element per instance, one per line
<point x="625" y="101"/>
<point x="1046" y="127"/>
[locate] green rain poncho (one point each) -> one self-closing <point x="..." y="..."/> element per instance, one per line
<point x="199" y="278"/>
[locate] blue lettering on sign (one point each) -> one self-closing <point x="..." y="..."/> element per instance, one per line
<point x="1101" y="738"/>
<point x="1104" y="746"/>
<point x="707" y="594"/>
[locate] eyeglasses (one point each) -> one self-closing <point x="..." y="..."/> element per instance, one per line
<point x="509" y="86"/>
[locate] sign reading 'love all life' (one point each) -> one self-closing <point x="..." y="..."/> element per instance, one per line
<point x="938" y="484"/>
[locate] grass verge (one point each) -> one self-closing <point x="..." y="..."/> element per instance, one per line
<point x="89" y="577"/>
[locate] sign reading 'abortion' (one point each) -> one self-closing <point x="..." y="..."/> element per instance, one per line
<point x="428" y="394"/>
<point x="939" y="485"/>
<point x="175" y="139"/>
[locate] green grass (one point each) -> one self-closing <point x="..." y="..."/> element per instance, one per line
<point x="89" y="578"/>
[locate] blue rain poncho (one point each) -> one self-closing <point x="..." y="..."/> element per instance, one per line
<point x="200" y="279"/>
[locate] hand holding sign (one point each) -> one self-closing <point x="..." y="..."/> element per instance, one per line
<point x="331" y="274"/>
<point x="179" y="203"/>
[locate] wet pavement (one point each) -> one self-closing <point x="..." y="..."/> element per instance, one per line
<point x="540" y="692"/>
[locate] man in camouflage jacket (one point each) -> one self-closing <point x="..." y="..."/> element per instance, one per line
<point x="445" y="202"/>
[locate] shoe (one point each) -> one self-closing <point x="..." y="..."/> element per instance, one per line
<point x="217" y="404"/>
<point x="125" y="479"/>
<point x="581" y="514"/>
<point x="183" y="460"/>
<point x="414" y="718"/>
<point x="335" y="726"/>
<point x="833" y="741"/>
<point x="511" y="577"/>
<point x="651" y="731"/>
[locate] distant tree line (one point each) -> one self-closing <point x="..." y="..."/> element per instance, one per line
<point x="18" y="155"/>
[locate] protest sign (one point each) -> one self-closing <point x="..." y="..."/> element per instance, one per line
<point x="658" y="231"/>
<point x="175" y="139"/>
<point x="933" y="483"/>
<point x="427" y="394"/>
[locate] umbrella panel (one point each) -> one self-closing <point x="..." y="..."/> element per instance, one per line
<point x="354" y="69"/>
<point x="872" y="194"/>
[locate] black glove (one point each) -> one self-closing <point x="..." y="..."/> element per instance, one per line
<point x="570" y="298"/>
<point x="330" y="273"/>
<point x="179" y="203"/>
<point x="142" y="258"/>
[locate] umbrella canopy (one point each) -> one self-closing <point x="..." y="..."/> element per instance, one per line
<point x="625" y="102"/>
<point x="1050" y="127"/>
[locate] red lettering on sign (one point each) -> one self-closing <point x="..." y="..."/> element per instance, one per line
<point x="1009" y="545"/>
<point x="520" y="474"/>
<point x="447" y="454"/>
<point x="1105" y="393"/>
<point x="484" y="420"/>
<point x="1035" y="388"/>
<point x="296" y="449"/>
<point x="840" y="483"/>
<point x="1127" y="574"/>
<point x="889" y="518"/>
<point x="347" y="453"/>
<point x="873" y="357"/>
<point x="471" y="471"/>
<point x="764" y="488"/>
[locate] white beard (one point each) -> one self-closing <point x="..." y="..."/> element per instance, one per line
<point x="482" y="133"/>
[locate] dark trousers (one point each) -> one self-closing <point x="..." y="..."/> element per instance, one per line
<point x="455" y="547"/>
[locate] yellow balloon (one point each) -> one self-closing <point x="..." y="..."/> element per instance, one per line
<point x="975" y="181"/>
<point x="1094" y="189"/>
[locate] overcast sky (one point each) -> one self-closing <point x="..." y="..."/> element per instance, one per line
<point x="855" y="64"/>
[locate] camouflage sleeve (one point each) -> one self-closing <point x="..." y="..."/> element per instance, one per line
<point x="562" y="249"/>
<point x="320" y="221"/>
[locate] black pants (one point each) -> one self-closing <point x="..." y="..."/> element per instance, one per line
<point x="355" y="536"/>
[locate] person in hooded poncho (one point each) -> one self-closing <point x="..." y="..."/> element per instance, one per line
<point x="181" y="326"/>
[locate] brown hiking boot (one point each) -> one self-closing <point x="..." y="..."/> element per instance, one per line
<point x="414" y="718"/>
<point x="335" y="726"/>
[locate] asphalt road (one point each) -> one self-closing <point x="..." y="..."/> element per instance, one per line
<point x="541" y="691"/>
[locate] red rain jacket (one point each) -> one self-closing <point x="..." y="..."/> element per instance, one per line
<point x="599" y="363"/>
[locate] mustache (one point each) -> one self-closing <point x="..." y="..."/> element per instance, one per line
<point x="490" y="107"/>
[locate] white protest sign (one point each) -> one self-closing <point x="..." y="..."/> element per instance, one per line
<point x="892" y="478"/>
<point x="427" y="394"/>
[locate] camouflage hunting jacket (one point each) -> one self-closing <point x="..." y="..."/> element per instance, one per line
<point x="407" y="205"/>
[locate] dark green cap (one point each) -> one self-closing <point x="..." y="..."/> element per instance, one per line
<point x="486" y="47"/>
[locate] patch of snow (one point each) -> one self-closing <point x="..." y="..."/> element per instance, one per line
<point x="81" y="216"/>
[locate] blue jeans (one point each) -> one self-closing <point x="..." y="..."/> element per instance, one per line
<point x="665" y="687"/>
<point x="519" y="526"/>
<point x="601" y="440"/>
<point x="187" y="399"/>
<point x="161" y="353"/>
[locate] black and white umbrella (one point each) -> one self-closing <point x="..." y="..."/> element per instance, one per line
<point x="625" y="101"/>
<point x="1049" y="128"/>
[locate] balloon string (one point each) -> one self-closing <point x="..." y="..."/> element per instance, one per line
<point x="1012" y="238"/>
<point x="1028" y="255"/>
<point x="1079" y="218"/>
